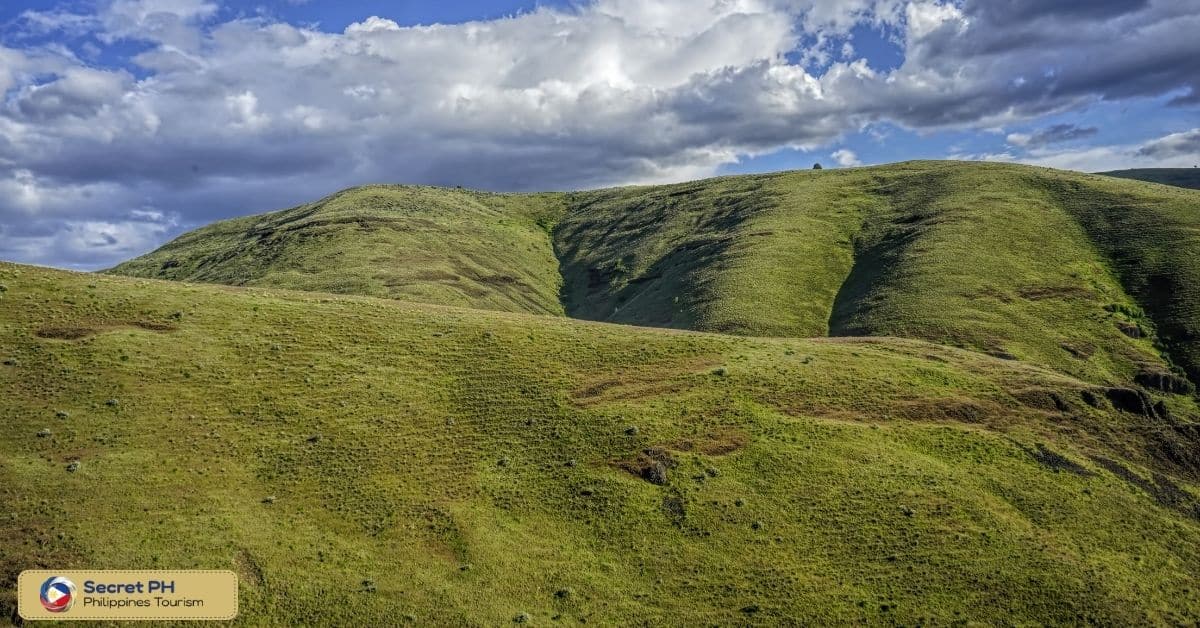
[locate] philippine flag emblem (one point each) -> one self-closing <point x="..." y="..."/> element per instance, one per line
<point x="58" y="594"/>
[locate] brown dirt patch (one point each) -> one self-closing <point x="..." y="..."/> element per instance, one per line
<point x="962" y="410"/>
<point x="79" y="454"/>
<point x="248" y="569"/>
<point x="654" y="380"/>
<point x="79" y="332"/>
<point x="1079" y="350"/>
<point x="66" y="333"/>
<point x="719" y="442"/>
<point x="152" y="326"/>
<point x="651" y="464"/>
<point x="499" y="280"/>
<point x="1043" y="399"/>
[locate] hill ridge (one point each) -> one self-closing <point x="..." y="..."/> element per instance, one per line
<point x="1178" y="177"/>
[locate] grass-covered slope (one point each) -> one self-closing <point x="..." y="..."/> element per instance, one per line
<point x="1002" y="259"/>
<point x="759" y="255"/>
<point x="368" y="462"/>
<point x="1093" y="276"/>
<point x="453" y="247"/>
<point x="984" y="257"/>
<point x="1179" y="177"/>
<point x="1150" y="239"/>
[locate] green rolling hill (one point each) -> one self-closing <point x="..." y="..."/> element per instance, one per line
<point x="1179" y="177"/>
<point x="1050" y="267"/>
<point x="369" y="461"/>
<point x="923" y="393"/>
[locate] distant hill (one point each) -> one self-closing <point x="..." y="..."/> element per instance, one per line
<point x="1095" y="277"/>
<point x="1178" y="177"/>
<point x="361" y="461"/>
<point x="453" y="247"/>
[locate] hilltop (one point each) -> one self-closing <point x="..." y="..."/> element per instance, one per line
<point x="1179" y="177"/>
<point x="1093" y="276"/>
<point x="368" y="461"/>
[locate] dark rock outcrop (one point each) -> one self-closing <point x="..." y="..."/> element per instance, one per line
<point x="1165" y="381"/>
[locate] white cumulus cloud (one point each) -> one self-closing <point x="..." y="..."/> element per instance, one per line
<point x="846" y="158"/>
<point x="214" y="117"/>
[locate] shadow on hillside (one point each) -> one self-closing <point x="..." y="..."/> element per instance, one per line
<point x="880" y="250"/>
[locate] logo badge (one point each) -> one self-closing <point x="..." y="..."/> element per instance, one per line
<point x="58" y="594"/>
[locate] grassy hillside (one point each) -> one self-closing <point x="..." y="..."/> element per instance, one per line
<point x="1151" y="241"/>
<point x="1094" y="277"/>
<point x="1003" y="259"/>
<point x="453" y="247"/>
<point x="757" y="255"/>
<point x="1179" y="177"/>
<point x="368" y="461"/>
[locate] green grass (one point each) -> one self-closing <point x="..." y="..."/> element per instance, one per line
<point x="824" y="481"/>
<point x="1179" y="177"/>
<point x="1032" y="264"/>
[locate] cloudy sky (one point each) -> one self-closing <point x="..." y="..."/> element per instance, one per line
<point x="127" y="122"/>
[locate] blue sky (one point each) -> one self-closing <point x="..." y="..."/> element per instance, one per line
<point x="127" y="122"/>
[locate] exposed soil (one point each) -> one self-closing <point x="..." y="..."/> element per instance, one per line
<point x="719" y="442"/>
<point x="651" y="464"/>
<point x="79" y="332"/>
